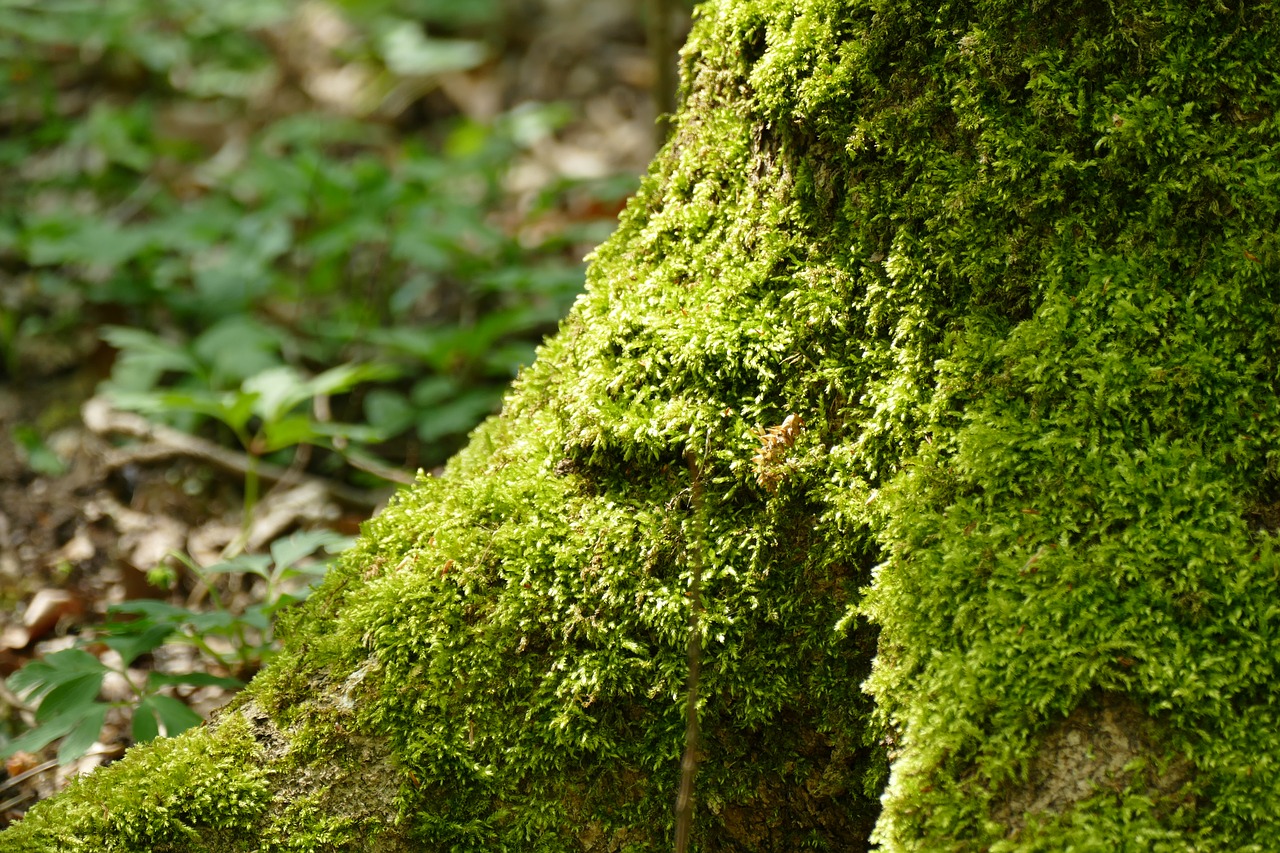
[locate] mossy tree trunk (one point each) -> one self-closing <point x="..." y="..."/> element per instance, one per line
<point x="968" y="314"/>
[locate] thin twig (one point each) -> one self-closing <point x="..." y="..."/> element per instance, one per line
<point x="165" y="442"/>
<point x="51" y="764"/>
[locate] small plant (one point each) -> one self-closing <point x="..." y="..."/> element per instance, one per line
<point x="239" y="641"/>
<point x="270" y="408"/>
<point x="67" y="685"/>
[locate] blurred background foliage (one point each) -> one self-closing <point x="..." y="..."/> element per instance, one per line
<point x="209" y="196"/>
<point x="321" y="235"/>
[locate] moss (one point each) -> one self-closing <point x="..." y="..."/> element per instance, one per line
<point x="968" y="314"/>
<point x="192" y="792"/>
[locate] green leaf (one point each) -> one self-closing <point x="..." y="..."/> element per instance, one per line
<point x="289" y="550"/>
<point x="233" y="408"/>
<point x="154" y="609"/>
<point x="506" y="359"/>
<point x="352" y="432"/>
<point x="285" y="600"/>
<point x="148" y="354"/>
<point x="131" y="646"/>
<point x="317" y="569"/>
<point x="163" y="613"/>
<point x="175" y="717"/>
<point x="434" y="389"/>
<point x="277" y="391"/>
<point x="82" y="737"/>
<point x="39" y="457"/>
<point x="458" y="415"/>
<point x="41" y="736"/>
<point x="238" y="347"/>
<point x="213" y="622"/>
<point x="407" y="51"/>
<point x="255" y="616"/>
<point x="289" y="431"/>
<point x="110" y="131"/>
<point x="245" y="564"/>
<point x="88" y="240"/>
<point x="38" y="677"/>
<point x="75" y="661"/>
<point x="193" y="679"/>
<point x="344" y="377"/>
<point x="70" y="696"/>
<point x="388" y="411"/>
<point x="146" y="726"/>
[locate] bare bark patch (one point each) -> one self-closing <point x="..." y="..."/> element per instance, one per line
<point x="355" y="785"/>
<point x="1108" y="744"/>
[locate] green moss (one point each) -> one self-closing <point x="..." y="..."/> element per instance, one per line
<point x="192" y="792"/>
<point x="306" y="826"/>
<point x="1015" y="271"/>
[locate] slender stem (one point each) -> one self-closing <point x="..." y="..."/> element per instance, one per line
<point x="123" y="672"/>
<point x="250" y="494"/>
<point x="200" y="643"/>
<point x="689" y="762"/>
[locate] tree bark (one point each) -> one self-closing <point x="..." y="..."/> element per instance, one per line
<point x="970" y="314"/>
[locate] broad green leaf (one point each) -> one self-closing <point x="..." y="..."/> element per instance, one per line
<point x="38" y="677"/>
<point x="434" y="389"/>
<point x="458" y="415"/>
<point x="433" y="346"/>
<point x="164" y="613"/>
<point x="506" y="359"/>
<point x="233" y="408"/>
<point x="213" y="622"/>
<point x="41" y="736"/>
<point x="84" y="240"/>
<point x="287" y="599"/>
<point x="174" y="715"/>
<point x="75" y="660"/>
<point x="289" y="431"/>
<point x="251" y="564"/>
<point x="256" y="616"/>
<point x="149" y="352"/>
<point x="145" y="724"/>
<point x="407" y="51"/>
<point x="388" y="411"/>
<point x="153" y="609"/>
<point x="131" y="646"/>
<point x="227" y="282"/>
<point x="238" y="347"/>
<point x="79" y="740"/>
<point x="289" y="550"/>
<point x="194" y="679"/>
<point x="344" y="377"/>
<point x="277" y="391"/>
<point x="316" y="569"/>
<point x="353" y="432"/>
<point x="111" y="131"/>
<point x="70" y="696"/>
<point x="40" y="458"/>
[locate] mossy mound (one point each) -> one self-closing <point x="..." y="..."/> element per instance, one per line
<point x="973" y="304"/>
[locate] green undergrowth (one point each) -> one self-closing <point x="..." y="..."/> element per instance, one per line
<point x="191" y="205"/>
<point x="964" y="316"/>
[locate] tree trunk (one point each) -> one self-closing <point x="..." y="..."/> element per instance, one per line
<point x="968" y="315"/>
